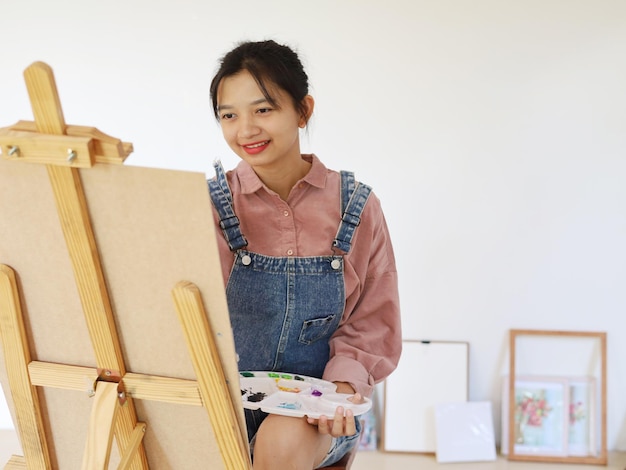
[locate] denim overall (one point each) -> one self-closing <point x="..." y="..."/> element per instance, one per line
<point x="284" y="310"/>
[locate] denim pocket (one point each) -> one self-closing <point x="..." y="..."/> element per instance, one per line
<point x="316" y="329"/>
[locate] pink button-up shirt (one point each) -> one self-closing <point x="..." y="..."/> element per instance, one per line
<point x="366" y="346"/>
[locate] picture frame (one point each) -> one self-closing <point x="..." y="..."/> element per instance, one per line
<point x="541" y="419"/>
<point x="582" y="416"/>
<point x="569" y="369"/>
<point x="554" y="416"/>
<point x="408" y="403"/>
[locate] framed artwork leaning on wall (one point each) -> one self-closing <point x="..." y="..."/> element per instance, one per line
<point x="554" y="399"/>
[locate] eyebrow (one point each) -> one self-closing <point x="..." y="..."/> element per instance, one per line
<point x="254" y="103"/>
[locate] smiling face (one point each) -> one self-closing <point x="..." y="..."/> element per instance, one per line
<point x="264" y="135"/>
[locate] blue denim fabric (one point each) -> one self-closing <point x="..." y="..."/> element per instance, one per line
<point x="284" y="310"/>
<point x="223" y="200"/>
<point x="353" y="198"/>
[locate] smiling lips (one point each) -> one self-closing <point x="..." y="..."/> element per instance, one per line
<point x="256" y="147"/>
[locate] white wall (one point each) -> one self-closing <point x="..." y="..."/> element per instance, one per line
<point x="493" y="131"/>
<point x="5" y="417"/>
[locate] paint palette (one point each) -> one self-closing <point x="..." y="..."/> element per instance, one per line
<point x="294" y="395"/>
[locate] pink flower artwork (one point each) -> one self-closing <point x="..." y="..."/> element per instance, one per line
<point x="533" y="409"/>
<point x="576" y="412"/>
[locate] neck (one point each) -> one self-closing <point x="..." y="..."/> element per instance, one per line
<point x="281" y="180"/>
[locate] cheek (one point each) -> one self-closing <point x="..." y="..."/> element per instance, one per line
<point x="230" y="134"/>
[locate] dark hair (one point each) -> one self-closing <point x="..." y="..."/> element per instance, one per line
<point x="269" y="63"/>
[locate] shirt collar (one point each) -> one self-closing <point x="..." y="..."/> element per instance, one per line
<point x="317" y="174"/>
<point x="250" y="182"/>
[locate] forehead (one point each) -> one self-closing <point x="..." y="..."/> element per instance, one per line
<point x="243" y="89"/>
<point x="233" y="85"/>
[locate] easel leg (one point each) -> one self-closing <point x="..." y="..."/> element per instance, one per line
<point x="101" y="427"/>
<point x="16" y="463"/>
<point x="17" y="357"/>
<point x="211" y="380"/>
<point x="135" y="441"/>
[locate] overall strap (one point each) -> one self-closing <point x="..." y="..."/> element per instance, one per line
<point x="354" y="195"/>
<point x="222" y="199"/>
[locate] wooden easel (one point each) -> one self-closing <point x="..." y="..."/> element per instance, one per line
<point x="63" y="150"/>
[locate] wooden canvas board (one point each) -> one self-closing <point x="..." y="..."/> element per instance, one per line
<point x="429" y="372"/>
<point x="153" y="229"/>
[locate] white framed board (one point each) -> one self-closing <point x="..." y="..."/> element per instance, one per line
<point x="429" y="373"/>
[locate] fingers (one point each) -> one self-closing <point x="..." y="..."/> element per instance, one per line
<point x="323" y="426"/>
<point x="350" y="426"/>
<point x="340" y="425"/>
<point x="357" y="399"/>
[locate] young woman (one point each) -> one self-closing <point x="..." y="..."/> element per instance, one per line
<point x="307" y="261"/>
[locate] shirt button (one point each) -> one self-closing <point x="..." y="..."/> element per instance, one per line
<point x="290" y="252"/>
<point x="246" y="260"/>
<point x="286" y="213"/>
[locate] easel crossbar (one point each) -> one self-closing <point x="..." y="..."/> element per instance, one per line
<point x="106" y="149"/>
<point x="139" y="386"/>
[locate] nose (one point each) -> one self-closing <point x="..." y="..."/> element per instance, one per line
<point x="248" y="127"/>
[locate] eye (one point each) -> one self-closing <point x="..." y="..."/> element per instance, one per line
<point x="263" y="110"/>
<point x="227" y="116"/>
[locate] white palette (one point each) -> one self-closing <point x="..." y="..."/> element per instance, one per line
<point x="295" y="395"/>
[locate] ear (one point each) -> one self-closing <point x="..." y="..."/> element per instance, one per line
<point x="309" y="104"/>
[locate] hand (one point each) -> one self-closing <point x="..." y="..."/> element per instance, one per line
<point x="339" y="425"/>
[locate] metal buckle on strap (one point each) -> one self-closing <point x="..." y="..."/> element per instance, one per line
<point x="351" y="219"/>
<point x="229" y="222"/>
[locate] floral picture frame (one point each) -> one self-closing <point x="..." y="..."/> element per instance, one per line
<point x="540" y="426"/>
<point x="554" y="416"/>
<point x="569" y="411"/>
<point x="582" y="416"/>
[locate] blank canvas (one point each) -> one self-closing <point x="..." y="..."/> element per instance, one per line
<point x="428" y="373"/>
<point x="464" y="432"/>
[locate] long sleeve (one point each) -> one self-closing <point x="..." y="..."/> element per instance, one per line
<point x="366" y="347"/>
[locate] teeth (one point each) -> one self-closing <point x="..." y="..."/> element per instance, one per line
<point x="260" y="144"/>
